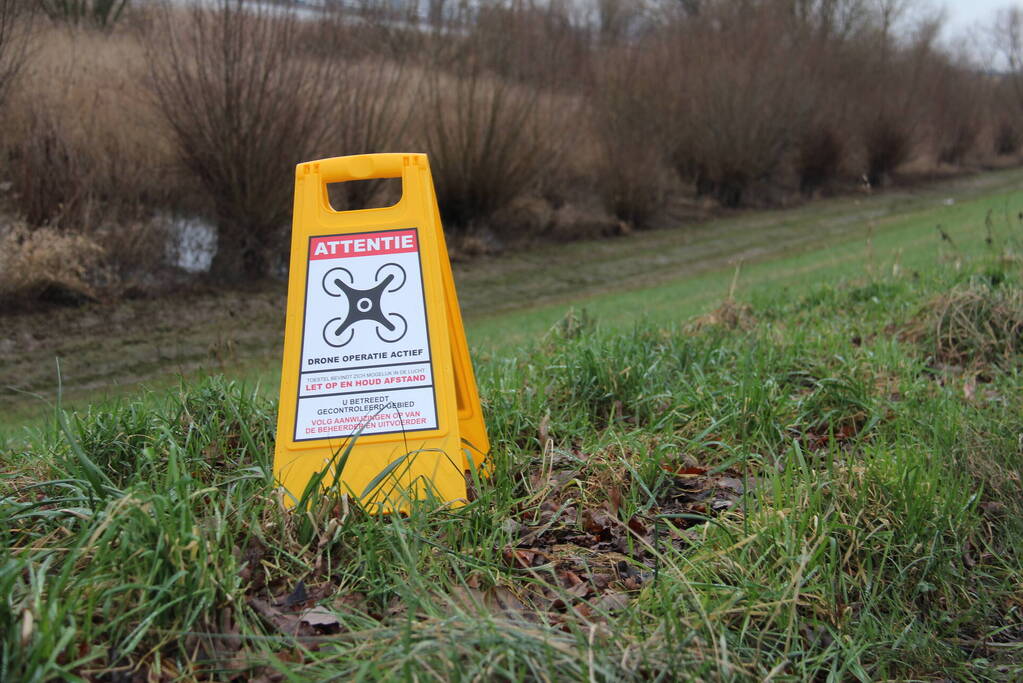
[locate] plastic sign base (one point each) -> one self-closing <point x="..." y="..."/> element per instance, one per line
<point x="377" y="389"/>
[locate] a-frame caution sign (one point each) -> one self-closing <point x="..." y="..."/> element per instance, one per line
<point x="374" y="348"/>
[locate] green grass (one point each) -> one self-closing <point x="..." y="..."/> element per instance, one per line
<point x="805" y="247"/>
<point x="815" y="482"/>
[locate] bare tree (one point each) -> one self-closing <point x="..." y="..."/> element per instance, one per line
<point x="743" y="99"/>
<point x="1007" y="39"/>
<point x="832" y="19"/>
<point x="615" y="18"/>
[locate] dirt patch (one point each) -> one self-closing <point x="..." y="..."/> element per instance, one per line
<point x="99" y="346"/>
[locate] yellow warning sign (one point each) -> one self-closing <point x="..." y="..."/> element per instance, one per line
<point x="375" y="355"/>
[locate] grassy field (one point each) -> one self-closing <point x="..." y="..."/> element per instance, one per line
<point x="815" y="480"/>
<point x="661" y="276"/>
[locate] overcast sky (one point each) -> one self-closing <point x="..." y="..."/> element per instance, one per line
<point x="970" y="21"/>
<point x="964" y="14"/>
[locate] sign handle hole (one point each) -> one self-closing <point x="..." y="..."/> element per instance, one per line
<point x="355" y="195"/>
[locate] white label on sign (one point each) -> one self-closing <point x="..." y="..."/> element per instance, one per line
<point x="365" y="341"/>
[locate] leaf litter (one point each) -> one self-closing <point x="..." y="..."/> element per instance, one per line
<point x="574" y="555"/>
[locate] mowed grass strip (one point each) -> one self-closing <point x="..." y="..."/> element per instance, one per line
<point x="813" y="485"/>
<point x="681" y="275"/>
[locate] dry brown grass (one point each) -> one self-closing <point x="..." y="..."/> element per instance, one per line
<point x="974" y="325"/>
<point x="85" y="158"/>
<point x="729" y="315"/>
<point x="82" y="149"/>
<point x="44" y="263"/>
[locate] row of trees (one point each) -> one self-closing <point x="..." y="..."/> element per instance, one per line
<point x="627" y="105"/>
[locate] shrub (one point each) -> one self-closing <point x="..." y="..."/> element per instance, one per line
<point x="489" y="140"/>
<point x="819" y="157"/>
<point x="631" y="135"/>
<point x="955" y="110"/>
<point x="44" y="263"/>
<point x="1007" y="39"/>
<point x="886" y="122"/>
<point x="743" y="99"/>
<point x="531" y="43"/>
<point x="1007" y="137"/>
<point x="822" y="143"/>
<point x="891" y="96"/>
<point x="377" y="114"/>
<point x="887" y="141"/>
<point x="81" y="151"/>
<point x="243" y="105"/>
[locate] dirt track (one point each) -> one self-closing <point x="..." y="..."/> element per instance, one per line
<point x="133" y="341"/>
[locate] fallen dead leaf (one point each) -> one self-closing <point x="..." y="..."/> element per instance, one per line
<point x="612" y="602"/>
<point x="596" y="522"/>
<point x="638" y="527"/>
<point x="285" y="623"/>
<point x="614" y="501"/>
<point x="970" y="387"/>
<point x="731" y="483"/>
<point x="507" y="601"/>
<point x="297" y="596"/>
<point x="570" y="577"/>
<point x="321" y="619"/>
<point x="521" y="558"/>
<point x="580" y="590"/>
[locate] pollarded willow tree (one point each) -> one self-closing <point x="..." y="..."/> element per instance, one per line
<point x="247" y="91"/>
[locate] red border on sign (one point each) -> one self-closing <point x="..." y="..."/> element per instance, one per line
<point x="363" y="244"/>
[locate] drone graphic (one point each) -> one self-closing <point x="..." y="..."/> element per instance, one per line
<point x="364" y="304"/>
